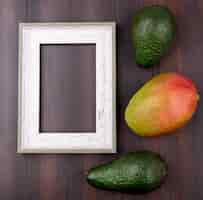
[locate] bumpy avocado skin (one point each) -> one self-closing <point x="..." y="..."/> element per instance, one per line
<point x="153" y="30"/>
<point x="136" y="172"/>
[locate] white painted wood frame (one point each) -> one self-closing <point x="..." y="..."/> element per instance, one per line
<point x="31" y="35"/>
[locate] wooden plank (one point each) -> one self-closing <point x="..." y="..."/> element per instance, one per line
<point x="68" y="88"/>
<point x="11" y="12"/>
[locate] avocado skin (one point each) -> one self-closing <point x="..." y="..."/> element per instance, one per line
<point x="153" y="30"/>
<point x="136" y="172"/>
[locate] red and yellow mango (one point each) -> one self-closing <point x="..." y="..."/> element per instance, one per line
<point x="162" y="105"/>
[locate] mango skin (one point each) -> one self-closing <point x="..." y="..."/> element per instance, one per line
<point x="164" y="104"/>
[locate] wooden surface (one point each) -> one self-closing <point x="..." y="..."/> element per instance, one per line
<point x="68" y="88"/>
<point x="50" y="177"/>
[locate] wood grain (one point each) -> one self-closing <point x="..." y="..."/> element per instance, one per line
<point x="68" y="88"/>
<point x="47" y="177"/>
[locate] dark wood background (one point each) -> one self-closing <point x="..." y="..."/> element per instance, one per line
<point x="68" y="88"/>
<point x="50" y="177"/>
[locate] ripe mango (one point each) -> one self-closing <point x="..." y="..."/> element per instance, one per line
<point x="162" y="105"/>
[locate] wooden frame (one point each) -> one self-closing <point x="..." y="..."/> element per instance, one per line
<point x="31" y="35"/>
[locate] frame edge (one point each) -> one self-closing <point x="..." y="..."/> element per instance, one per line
<point x="21" y="149"/>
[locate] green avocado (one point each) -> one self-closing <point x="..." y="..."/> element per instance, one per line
<point x="153" y="30"/>
<point x="136" y="172"/>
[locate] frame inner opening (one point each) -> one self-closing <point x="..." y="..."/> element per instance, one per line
<point x="67" y="88"/>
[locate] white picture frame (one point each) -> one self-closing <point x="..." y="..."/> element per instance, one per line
<point x="31" y="35"/>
